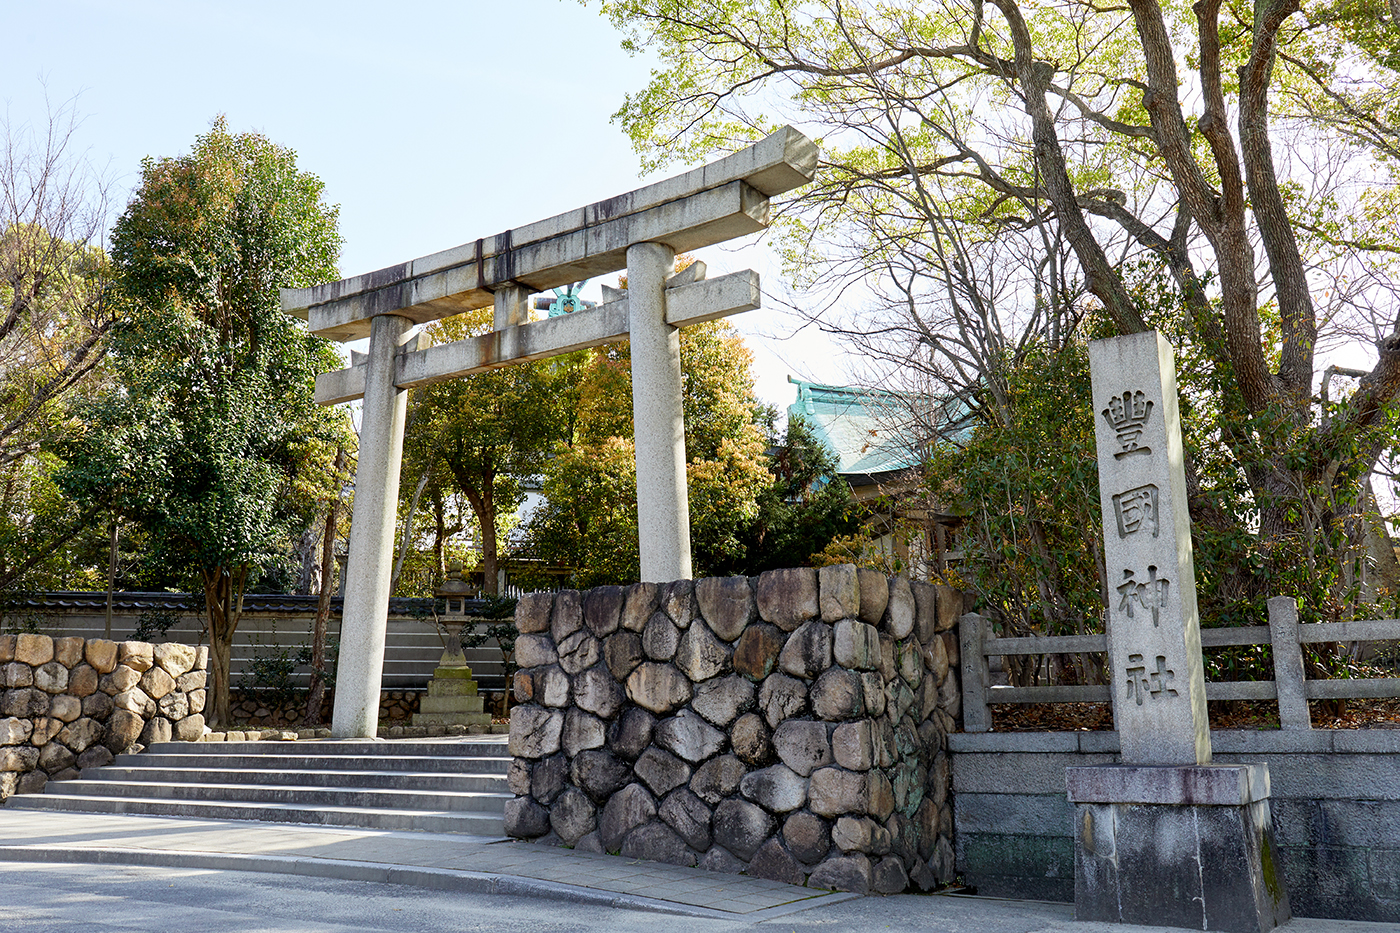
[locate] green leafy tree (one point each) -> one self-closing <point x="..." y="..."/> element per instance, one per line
<point x="56" y="311"/>
<point x="804" y="507"/>
<point x="42" y="547"/>
<point x="588" y="519"/>
<point x="1028" y="487"/>
<point x="212" y="442"/>
<point x="999" y="170"/>
<point x="482" y="436"/>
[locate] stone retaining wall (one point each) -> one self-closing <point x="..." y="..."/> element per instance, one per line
<point x="396" y="708"/>
<point x="271" y="623"/>
<point x="69" y="703"/>
<point x="1335" y="804"/>
<point x="792" y="725"/>
<point x="253" y="708"/>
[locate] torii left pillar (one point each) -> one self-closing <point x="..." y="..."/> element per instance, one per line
<point x="361" y="665"/>
<point x="659" y="436"/>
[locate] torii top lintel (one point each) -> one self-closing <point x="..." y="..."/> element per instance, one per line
<point x="718" y="201"/>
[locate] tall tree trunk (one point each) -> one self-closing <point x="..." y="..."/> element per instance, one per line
<point x="489" y="558"/>
<point x="223" y="595"/>
<point x="308" y="563"/>
<point x="215" y="604"/>
<point x="439" y="542"/>
<point x="111" y="578"/>
<point x="317" y="692"/>
<point x="407" y="539"/>
<point x="483" y="504"/>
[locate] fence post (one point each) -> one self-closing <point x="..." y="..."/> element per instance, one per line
<point x="972" y="637"/>
<point x="1288" y="664"/>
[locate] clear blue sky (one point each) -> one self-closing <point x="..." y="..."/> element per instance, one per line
<point x="432" y="123"/>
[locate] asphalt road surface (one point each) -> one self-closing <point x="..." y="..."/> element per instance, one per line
<point x="121" y="899"/>
<point x="102" y="898"/>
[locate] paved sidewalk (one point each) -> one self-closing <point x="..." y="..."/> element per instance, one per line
<point x="472" y="863"/>
<point x="480" y="865"/>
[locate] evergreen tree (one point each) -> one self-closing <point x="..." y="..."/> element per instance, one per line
<point x="211" y="441"/>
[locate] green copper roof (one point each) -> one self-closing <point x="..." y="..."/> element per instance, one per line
<point x="862" y="427"/>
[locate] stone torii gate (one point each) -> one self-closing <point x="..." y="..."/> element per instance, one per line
<point x="641" y="231"/>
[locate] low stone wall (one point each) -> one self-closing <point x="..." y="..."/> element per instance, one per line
<point x="393" y="732"/>
<point x="396" y="709"/>
<point x="1335" y="803"/>
<point x="69" y="703"/>
<point x="252" y="708"/>
<point x="791" y="725"/>
<point x="271" y="623"/>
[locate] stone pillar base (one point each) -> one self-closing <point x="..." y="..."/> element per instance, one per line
<point x="1188" y="847"/>
<point x="452" y="700"/>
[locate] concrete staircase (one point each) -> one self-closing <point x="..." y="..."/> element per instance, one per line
<point x="435" y="785"/>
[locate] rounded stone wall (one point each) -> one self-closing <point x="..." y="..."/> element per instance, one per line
<point x="791" y="725"/>
<point x="70" y="703"/>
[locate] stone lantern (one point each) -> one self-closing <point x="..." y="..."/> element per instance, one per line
<point x="452" y="698"/>
<point x="455" y="592"/>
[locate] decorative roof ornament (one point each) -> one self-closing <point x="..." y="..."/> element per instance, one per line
<point x="567" y="300"/>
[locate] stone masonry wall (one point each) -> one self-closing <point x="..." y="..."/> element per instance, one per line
<point x="792" y="725"/>
<point x="69" y="703"/>
<point x="255" y="708"/>
<point x="1334" y="802"/>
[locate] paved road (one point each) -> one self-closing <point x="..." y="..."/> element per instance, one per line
<point x="97" y="899"/>
<point x="123" y="899"/>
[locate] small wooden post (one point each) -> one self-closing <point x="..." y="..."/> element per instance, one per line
<point x="972" y="636"/>
<point x="1288" y="664"/>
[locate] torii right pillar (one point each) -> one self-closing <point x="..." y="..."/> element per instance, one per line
<point x="1165" y="838"/>
<point x="663" y="502"/>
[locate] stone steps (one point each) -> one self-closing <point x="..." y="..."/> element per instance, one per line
<point x="467" y="747"/>
<point x="361" y="817"/>
<point x="244" y="759"/>
<point x="467" y="783"/>
<point x="291" y="795"/>
<point x="430" y="786"/>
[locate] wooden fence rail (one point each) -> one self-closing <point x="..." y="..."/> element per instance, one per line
<point x="1284" y="633"/>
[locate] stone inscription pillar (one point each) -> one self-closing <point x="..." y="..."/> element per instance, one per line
<point x="663" y="503"/>
<point x="366" y="614"/>
<point x="1165" y="838"/>
<point x="1154" y="636"/>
